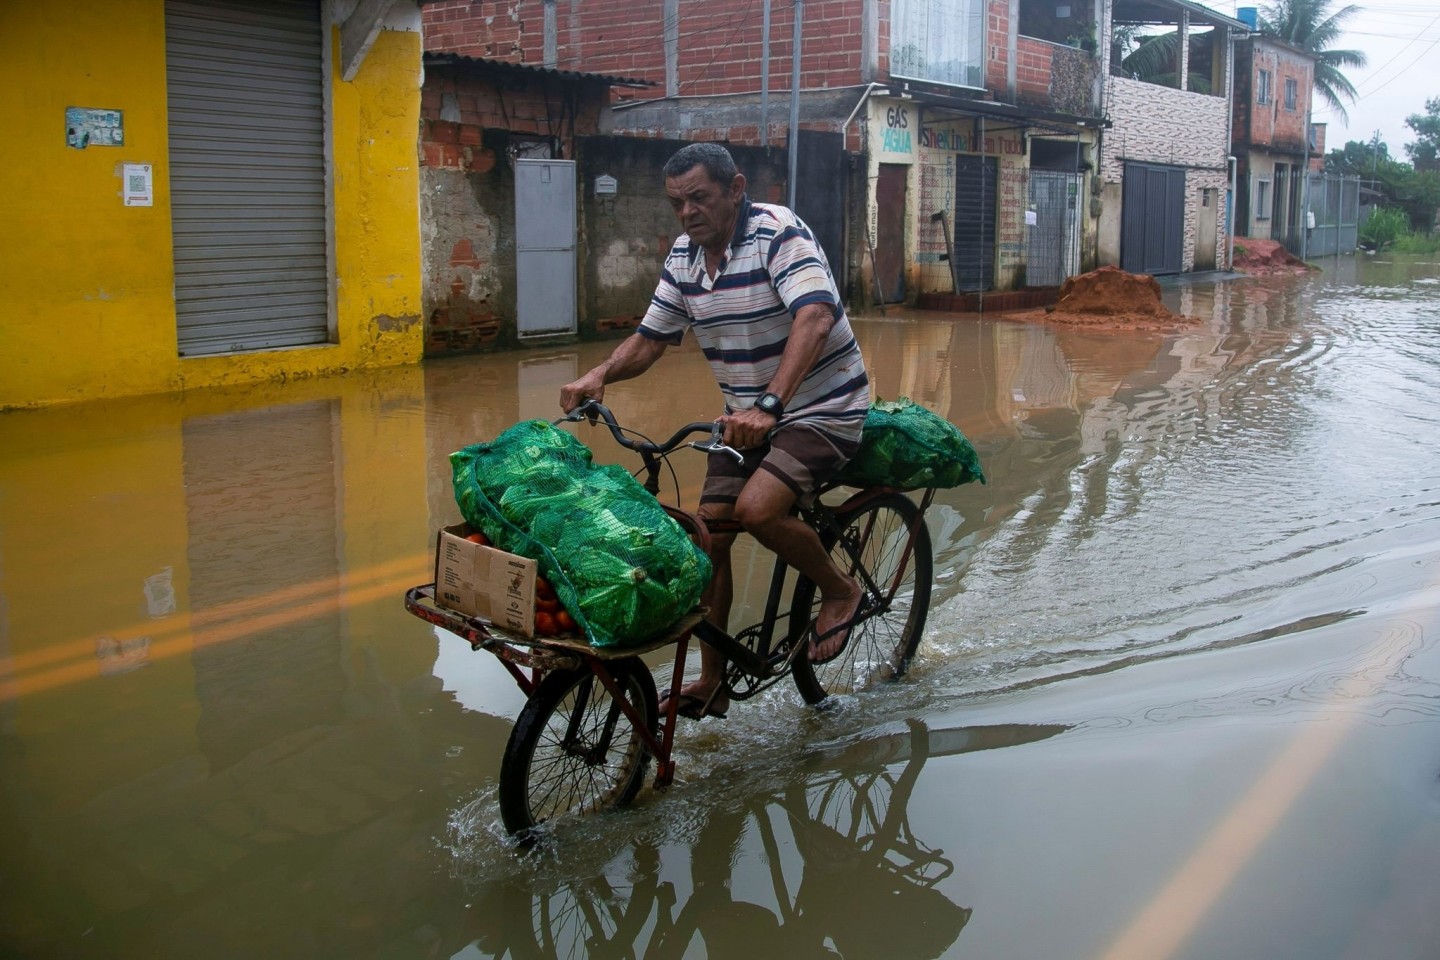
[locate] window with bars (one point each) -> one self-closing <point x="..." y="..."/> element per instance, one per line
<point x="1292" y="90"/>
<point x="1262" y="87"/>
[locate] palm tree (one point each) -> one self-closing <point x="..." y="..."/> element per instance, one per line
<point x="1309" y="25"/>
<point x="1155" y="58"/>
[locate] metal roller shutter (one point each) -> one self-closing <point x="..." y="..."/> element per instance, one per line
<point x="976" y="199"/>
<point x="247" y="174"/>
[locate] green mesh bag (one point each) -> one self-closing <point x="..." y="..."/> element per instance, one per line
<point x="905" y="445"/>
<point x="620" y="564"/>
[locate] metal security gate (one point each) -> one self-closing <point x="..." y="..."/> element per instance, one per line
<point x="1052" y="249"/>
<point x="247" y="174"/>
<point x="1333" y="206"/>
<point x="1152" y="228"/>
<point x="544" y="247"/>
<point x="976" y="197"/>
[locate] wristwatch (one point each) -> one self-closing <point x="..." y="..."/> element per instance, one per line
<point x="769" y="403"/>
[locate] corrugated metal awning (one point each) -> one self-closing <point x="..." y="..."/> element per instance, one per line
<point x="486" y="65"/>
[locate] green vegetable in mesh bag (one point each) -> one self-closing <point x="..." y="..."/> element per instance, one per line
<point x="905" y="445"/>
<point x="620" y="564"/>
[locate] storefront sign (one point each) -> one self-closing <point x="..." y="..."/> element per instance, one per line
<point x="892" y="130"/>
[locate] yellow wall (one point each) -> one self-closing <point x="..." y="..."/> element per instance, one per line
<point x="87" y="285"/>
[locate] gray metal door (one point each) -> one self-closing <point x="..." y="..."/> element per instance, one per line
<point x="1052" y="248"/>
<point x="1152" y="229"/>
<point x="248" y="208"/>
<point x="820" y="194"/>
<point x="545" y="246"/>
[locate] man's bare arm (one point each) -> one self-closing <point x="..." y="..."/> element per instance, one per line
<point x="636" y="354"/>
<point x="812" y="326"/>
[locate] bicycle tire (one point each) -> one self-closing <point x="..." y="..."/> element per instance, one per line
<point x="881" y="647"/>
<point x="551" y="767"/>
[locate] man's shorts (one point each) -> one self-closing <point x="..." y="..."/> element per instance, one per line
<point x="799" y="455"/>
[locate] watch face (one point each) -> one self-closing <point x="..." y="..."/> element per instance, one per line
<point x="769" y="403"/>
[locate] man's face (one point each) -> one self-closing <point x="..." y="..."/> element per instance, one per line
<point x="705" y="209"/>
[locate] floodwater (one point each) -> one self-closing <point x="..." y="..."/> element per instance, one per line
<point x="1179" y="695"/>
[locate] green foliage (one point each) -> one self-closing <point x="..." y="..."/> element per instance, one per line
<point x="1418" y="243"/>
<point x="1423" y="152"/>
<point x="1418" y="194"/>
<point x="1155" y="58"/>
<point x="1309" y="25"/>
<point x="1415" y="192"/>
<point x="1384" y="227"/>
<point x="1362" y="158"/>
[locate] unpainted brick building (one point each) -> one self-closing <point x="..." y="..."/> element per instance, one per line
<point x="907" y="109"/>
<point x="1270" y="138"/>
<point x="947" y="150"/>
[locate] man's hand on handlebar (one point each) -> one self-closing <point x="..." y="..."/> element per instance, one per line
<point x="747" y="429"/>
<point x="589" y="387"/>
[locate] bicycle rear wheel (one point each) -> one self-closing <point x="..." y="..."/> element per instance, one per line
<point x="880" y="647"/>
<point x="573" y="750"/>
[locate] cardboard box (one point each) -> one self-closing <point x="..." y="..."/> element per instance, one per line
<point x="483" y="582"/>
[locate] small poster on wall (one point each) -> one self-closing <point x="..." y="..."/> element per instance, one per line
<point x="89" y="127"/>
<point x="139" y="186"/>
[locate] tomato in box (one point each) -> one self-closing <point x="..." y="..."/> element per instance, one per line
<point x="481" y="581"/>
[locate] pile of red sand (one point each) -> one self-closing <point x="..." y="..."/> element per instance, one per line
<point x="1266" y="258"/>
<point x="1111" y="298"/>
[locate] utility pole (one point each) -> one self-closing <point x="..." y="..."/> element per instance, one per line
<point x="765" y="75"/>
<point x="795" y="104"/>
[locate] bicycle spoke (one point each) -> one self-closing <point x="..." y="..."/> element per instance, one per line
<point x="888" y="547"/>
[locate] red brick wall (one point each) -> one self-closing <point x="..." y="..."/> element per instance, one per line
<point x="719" y="45"/>
<point x="618" y="39"/>
<point x="1032" y="70"/>
<point x="532" y="107"/>
<point x="486" y="28"/>
<point x="997" y="44"/>
<point x="1271" y="124"/>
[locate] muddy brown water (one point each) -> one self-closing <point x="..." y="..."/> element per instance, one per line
<point x="1179" y="695"/>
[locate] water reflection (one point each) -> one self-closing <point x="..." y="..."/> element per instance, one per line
<point x="220" y="734"/>
<point x="826" y="865"/>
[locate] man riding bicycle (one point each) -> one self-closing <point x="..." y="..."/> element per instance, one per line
<point x="753" y="284"/>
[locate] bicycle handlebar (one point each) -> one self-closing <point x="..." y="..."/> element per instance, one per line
<point x="592" y="410"/>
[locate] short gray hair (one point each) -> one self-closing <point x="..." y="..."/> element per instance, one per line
<point x="719" y="165"/>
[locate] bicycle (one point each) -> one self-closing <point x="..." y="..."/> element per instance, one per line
<point x="569" y="753"/>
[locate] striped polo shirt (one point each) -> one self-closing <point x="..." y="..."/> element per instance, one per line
<point x="742" y="318"/>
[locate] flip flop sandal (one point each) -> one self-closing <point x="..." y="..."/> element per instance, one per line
<point x="844" y="630"/>
<point x="692" y="706"/>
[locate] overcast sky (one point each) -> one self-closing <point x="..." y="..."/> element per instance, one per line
<point x="1402" y="40"/>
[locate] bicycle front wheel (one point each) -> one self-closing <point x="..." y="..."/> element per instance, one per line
<point x="573" y="750"/>
<point x="881" y="647"/>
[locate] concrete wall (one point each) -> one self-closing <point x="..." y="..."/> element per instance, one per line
<point x="627" y="234"/>
<point x="88" y="283"/>
<point x="469" y="123"/>
<point x="469" y="230"/>
<point x="1155" y="124"/>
